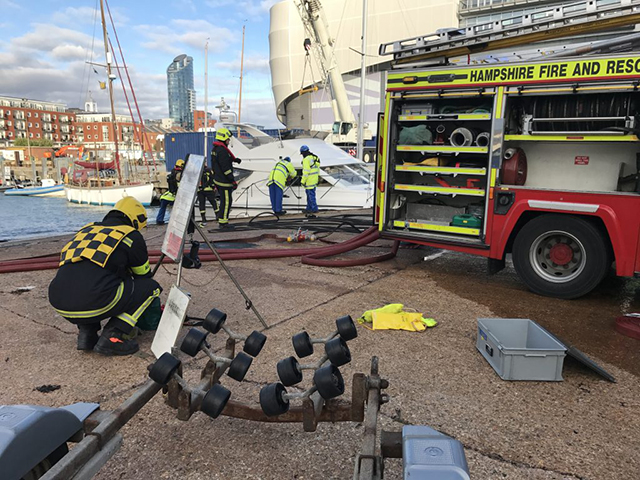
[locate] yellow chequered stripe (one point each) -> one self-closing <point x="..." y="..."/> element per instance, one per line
<point x="95" y="243"/>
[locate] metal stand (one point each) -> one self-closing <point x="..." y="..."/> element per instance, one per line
<point x="248" y="302"/>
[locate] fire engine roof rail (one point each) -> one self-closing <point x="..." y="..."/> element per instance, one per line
<point x="555" y="22"/>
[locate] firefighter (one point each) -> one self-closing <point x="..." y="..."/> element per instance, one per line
<point x="222" y="165"/>
<point x="310" y="176"/>
<point x="168" y="197"/>
<point x="104" y="274"/>
<point x="281" y="172"/>
<point x="206" y="191"/>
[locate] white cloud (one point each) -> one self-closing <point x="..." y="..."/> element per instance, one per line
<point x="45" y="38"/>
<point x="255" y="63"/>
<point x="69" y="52"/>
<point x="87" y="16"/>
<point x="183" y="33"/>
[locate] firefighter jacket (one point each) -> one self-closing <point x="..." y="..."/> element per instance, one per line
<point x="222" y="165"/>
<point x="282" y="170"/>
<point x="310" y="171"/>
<point x="173" y="182"/>
<point x="97" y="268"/>
<point x="206" y="182"/>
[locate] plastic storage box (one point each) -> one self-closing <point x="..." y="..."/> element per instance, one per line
<point x="430" y="455"/>
<point x="520" y="349"/>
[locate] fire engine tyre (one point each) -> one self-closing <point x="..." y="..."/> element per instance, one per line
<point x="329" y="382"/>
<point x="289" y="371"/>
<point x="214" y="320"/>
<point x="346" y="328"/>
<point x="302" y="344"/>
<point x="162" y="371"/>
<point x="215" y="400"/>
<point x="338" y="351"/>
<point x="254" y="343"/>
<point x="240" y="366"/>
<point x="272" y="400"/>
<point x="561" y="256"/>
<point x="193" y="342"/>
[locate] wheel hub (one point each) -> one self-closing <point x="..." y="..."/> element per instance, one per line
<point x="561" y="254"/>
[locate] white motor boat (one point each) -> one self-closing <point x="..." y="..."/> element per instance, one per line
<point x="345" y="182"/>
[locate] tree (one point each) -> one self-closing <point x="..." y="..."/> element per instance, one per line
<point x="39" y="142"/>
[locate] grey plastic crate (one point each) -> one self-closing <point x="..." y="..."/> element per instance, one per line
<point x="430" y="455"/>
<point x="520" y="349"/>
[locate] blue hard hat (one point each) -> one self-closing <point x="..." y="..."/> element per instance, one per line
<point x="304" y="148"/>
<point x="287" y="159"/>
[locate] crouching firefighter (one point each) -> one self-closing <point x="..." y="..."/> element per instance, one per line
<point x="104" y="274"/>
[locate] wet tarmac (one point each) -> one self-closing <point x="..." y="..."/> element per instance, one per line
<point x="587" y="323"/>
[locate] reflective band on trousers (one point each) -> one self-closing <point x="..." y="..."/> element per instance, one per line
<point x="97" y="312"/>
<point x="132" y="318"/>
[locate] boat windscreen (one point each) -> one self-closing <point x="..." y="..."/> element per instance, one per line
<point x="347" y="174"/>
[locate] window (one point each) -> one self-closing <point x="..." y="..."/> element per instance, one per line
<point x="36" y="114"/>
<point x="55" y="126"/>
<point x="30" y="125"/>
<point x="37" y="125"/>
<point x="9" y="123"/>
<point x="37" y="135"/>
<point x="95" y="127"/>
<point x="10" y="134"/>
<point x="29" y="114"/>
<point x="30" y="135"/>
<point x="88" y="137"/>
<point x="54" y="117"/>
<point x="55" y="135"/>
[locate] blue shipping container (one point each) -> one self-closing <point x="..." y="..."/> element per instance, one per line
<point x="179" y="145"/>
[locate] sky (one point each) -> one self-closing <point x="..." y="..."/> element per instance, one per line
<point x="45" y="46"/>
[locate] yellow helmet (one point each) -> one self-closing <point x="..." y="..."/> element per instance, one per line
<point x="223" y="134"/>
<point x="134" y="210"/>
<point x="180" y="163"/>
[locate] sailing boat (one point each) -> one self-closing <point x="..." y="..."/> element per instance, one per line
<point x="104" y="188"/>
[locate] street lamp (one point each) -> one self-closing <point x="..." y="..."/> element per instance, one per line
<point x="26" y="124"/>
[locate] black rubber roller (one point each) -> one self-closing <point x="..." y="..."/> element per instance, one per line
<point x="346" y="328"/>
<point x="254" y="343"/>
<point x="215" y="400"/>
<point x="289" y="371"/>
<point x="329" y="382"/>
<point x="302" y="344"/>
<point x="164" y="368"/>
<point x="272" y="401"/>
<point x="240" y="366"/>
<point x="193" y="342"/>
<point x="214" y="320"/>
<point x="337" y="351"/>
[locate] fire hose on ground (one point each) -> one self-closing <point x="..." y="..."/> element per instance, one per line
<point x="310" y="255"/>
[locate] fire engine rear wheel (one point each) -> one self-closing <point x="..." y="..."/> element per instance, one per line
<point x="346" y="328"/>
<point x="302" y="344"/>
<point x="240" y="366"/>
<point x="193" y="342"/>
<point x="214" y="320"/>
<point x="560" y="256"/>
<point x="215" y="400"/>
<point x="254" y="343"/>
<point x="329" y="382"/>
<point x="272" y="400"/>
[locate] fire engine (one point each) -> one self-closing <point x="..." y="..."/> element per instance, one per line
<point x="536" y="158"/>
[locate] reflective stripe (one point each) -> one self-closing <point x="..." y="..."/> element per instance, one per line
<point x="228" y="172"/>
<point x="142" y="269"/>
<point x="94" y="313"/>
<point x="225" y="214"/>
<point x="223" y="184"/>
<point x="127" y="241"/>
<point x="132" y="319"/>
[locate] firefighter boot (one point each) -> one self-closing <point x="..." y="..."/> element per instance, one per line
<point x="113" y="340"/>
<point x="88" y="336"/>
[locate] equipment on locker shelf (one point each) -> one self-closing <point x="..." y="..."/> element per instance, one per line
<point x="514" y="167"/>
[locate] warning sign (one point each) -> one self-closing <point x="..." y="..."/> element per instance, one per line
<point x="173" y="243"/>
<point x="581" y="160"/>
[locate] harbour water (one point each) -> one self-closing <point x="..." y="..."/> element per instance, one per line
<point x="32" y="217"/>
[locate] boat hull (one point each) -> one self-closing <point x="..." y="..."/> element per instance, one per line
<point x="53" y="191"/>
<point x="109" y="195"/>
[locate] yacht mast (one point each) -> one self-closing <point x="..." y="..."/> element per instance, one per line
<point x="363" y="73"/>
<point x="111" y="77"/>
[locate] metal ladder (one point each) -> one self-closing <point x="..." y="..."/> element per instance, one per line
<point x="555" y="22"/>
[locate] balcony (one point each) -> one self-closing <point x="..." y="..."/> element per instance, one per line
<point x="46" y="117"/>
<point x="64" y="119"/>
<point x="20" y="126"/>
<point x="47" y="128"/>
<point x="466" y="7"/>
<point x="64" y="129"/>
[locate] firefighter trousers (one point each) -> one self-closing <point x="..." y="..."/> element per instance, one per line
<point x="203" y="197"/>
<point x="226" y="199"/>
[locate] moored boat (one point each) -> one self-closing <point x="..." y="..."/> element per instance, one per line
<point x="47" y="188"/>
